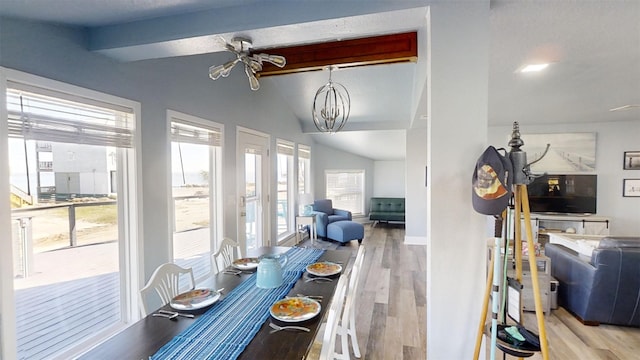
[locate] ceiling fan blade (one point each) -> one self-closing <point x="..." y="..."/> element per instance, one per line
<point x="253" y="80"/>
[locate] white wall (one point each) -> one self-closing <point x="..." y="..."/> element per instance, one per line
<point x="388" y="179"/>
<point x="181" y="84"/>
<point x="416" y="200"/>
<point x="612" y="140"/>
<point x="457" y="135"/>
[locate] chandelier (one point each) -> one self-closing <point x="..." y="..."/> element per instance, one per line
<point x="241" y="47"/>
<point x="331" y="106"/>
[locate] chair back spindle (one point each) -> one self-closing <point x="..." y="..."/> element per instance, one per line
<point x="347" y="327"/>
<point x="228" y="251"/>
<point x="165" y="281"/>
<point x="328" y="351"/>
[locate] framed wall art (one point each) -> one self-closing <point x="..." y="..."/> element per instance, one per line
<point x="631" y="160"/>
<point x="568" y="152"/>
<point x="631" y="187"/>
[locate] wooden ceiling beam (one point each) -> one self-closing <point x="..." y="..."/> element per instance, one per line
<point x="384" y="49"/>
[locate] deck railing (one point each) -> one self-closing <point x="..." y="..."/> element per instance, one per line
<point x="22" y="231"/>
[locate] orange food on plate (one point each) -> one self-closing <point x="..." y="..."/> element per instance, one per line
<point x="246" y="261"/>
<point x="192" y="295"/>
<point x="294" y="308"/>
<point x="325" y="268"/>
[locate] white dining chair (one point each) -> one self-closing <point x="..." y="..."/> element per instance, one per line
<point x="165" y="280"/>
<point x="228" y="251"/>
<point x="347" y="328"/>
<point x="328" y="350"/>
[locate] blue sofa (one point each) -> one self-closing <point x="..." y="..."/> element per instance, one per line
<point x="604" y="288"/>
<point x="326" y="214"/>
<point x="386" y="209"/>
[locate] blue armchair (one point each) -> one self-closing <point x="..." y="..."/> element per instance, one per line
<point x="326" y="214"/>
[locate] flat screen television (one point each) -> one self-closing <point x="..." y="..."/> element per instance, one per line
<point x="563" y="194"/>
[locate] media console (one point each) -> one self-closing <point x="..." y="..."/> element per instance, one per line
<point x="544" y="224"/>
<point x="582" y="225"/>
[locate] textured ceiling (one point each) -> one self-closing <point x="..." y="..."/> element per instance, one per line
<point x="91" y="13"/>
<point x="594" y="48"/>
<point x="594" y="51"/>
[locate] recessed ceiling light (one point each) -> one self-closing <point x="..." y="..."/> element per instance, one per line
<point x="533" y="68"/>
<point x="625" y="107"/>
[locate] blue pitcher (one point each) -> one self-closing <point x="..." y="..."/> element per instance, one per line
<point x="270" y="270"/>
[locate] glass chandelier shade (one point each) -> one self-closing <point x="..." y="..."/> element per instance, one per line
<point x="222" y="70"/>
<point x="331" y="107"/>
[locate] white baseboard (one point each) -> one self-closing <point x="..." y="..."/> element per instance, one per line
<point x="415" y="240"/>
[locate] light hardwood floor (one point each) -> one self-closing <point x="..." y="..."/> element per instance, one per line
<point x="391" y="308"/>
<point x="391" y="313"/>
<point x="569" y="339"/>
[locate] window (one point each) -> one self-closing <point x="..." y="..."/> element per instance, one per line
<point x="346" y="189"/>
<point x="304" y="169"/>
<point x="72" y="175"/>
<point x="285" y="197"/>
<point x="195" y="183"/>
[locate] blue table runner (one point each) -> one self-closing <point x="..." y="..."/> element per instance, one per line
<point x="229" y="326"/>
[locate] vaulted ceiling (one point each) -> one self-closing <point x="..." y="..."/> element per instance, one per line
<point x="593" y="48"/>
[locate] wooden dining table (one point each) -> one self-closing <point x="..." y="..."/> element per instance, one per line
<point x="146" y="336"/>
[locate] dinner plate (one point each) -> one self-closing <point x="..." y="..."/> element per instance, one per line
<point x="324" y="268"/>
<point x="295" y="309"/>
<point x="194" y="299"/>
<point x="245" y="263"/>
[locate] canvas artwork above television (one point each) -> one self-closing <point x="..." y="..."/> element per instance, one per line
<point x="568" y="152"/>
<point x="563" y="194"/>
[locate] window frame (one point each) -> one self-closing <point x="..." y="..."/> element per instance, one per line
<point x="129" y="230"/>
<point x="306" y="177"/>
<point x="336" y="204"/>
<point x="216" y="221"/>
<point x="285" y="147"/>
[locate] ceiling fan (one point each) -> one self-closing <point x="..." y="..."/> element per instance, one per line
<point x="252" y="62"/>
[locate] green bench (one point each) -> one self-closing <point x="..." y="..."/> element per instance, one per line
<point x="386" y="209"/>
